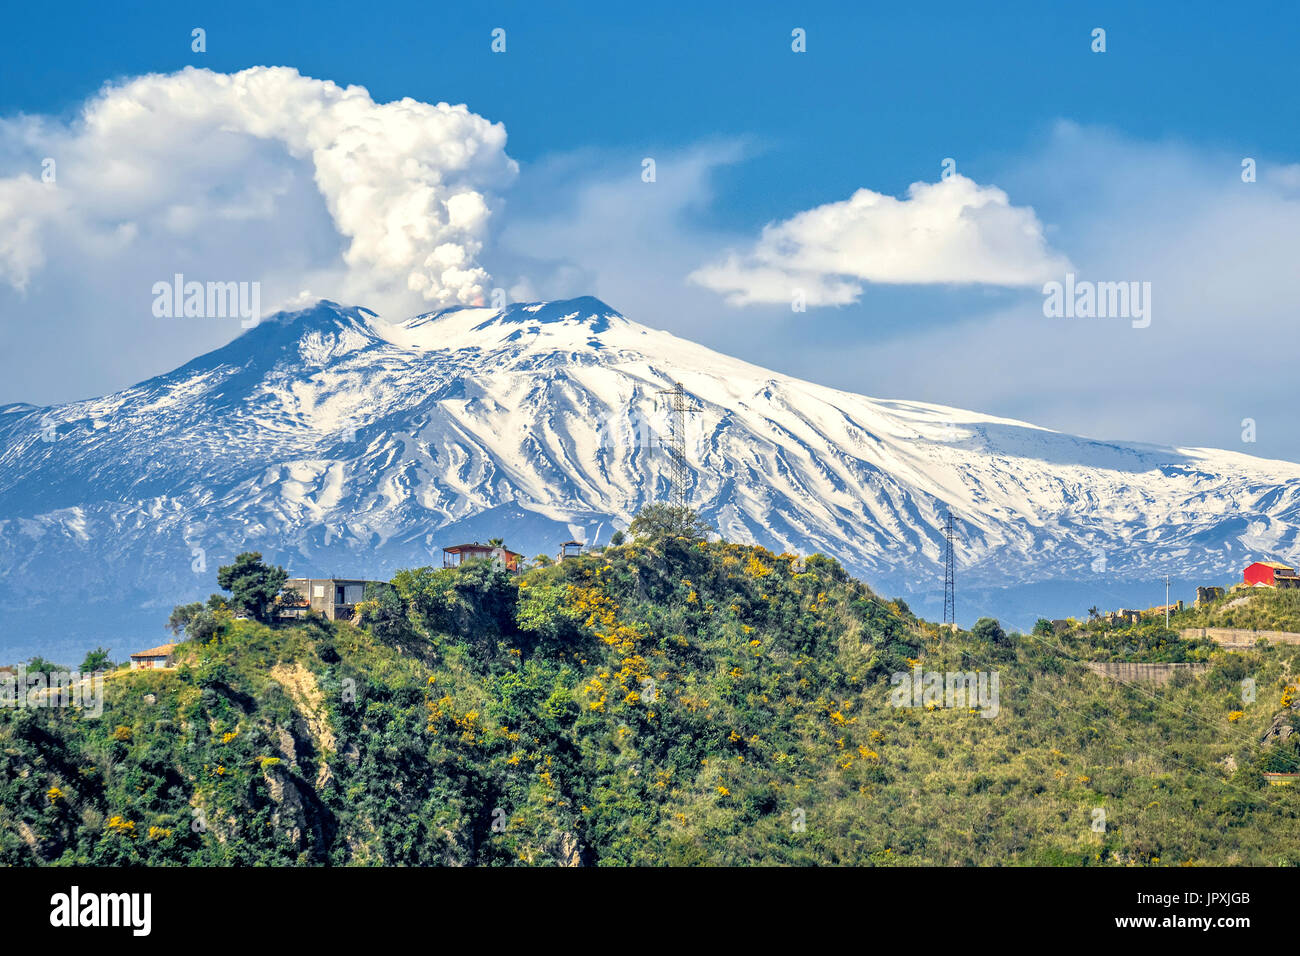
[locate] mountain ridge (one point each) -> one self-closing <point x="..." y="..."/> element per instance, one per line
<point x="336" y="442"/>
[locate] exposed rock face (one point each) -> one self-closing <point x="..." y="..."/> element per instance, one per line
<point x="290" y="816"/>
<point x="1280" y="730"/>
<point x="570" y="853"/>
<point x="30" y="839"/>
<point x="300" y="684"/>
<point x="287" y="747"/>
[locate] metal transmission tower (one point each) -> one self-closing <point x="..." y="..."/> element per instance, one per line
<point x="682" y="405"/>
<point x="949" y="587"/>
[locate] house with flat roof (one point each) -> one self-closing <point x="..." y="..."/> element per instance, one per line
<point x="333" y="598"/>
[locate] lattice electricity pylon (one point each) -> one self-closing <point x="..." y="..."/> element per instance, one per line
<point x="949" y="585"/>
<point x="679" y="474"/>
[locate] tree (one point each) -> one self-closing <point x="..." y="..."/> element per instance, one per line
<point x="1043" y="628"/>
<point x="1094" y="612"/>
<point x="97" y="660"/>
<point x="181" y="616"/>
<point x="39" y="665"/>
<point x="661" y="521"/>
<point x="478" y="597"/>
<point x="617" y="538"/>
<point x="543" y="561"/>
<point x="489" y="593"/>
<point x="252" y="584"/>
<point x="496" y="542"/>
<point x="989" y="630"/>
<point x="547" y="612"/>
<point x="383" y="612"/>
<point x="198" y="622"/>
<point x="821" y="564"/>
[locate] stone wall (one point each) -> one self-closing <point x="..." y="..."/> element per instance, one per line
<point x="1239" y="637"/>
<point x="1156" y="673"/>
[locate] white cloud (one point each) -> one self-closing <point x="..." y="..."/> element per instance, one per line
<point x="24" y="203"/>
<point x="953" y="231"/>
<point x="159" y="164"/>
<point x="1219" y="254"/>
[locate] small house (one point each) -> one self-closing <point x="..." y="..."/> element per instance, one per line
<point x="334" y="598"/>
<point x="1270" y="574"/>
<point x="154" y="658"/>
<point x="571" y="549"/>
<point x="458" y="554"/>
<point x="1281" y="779"/>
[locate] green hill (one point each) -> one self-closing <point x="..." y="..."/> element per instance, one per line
<point x="1255" y="609"/>
<point x="666" y="701"/>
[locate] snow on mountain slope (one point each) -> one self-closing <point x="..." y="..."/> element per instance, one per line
<point x="337" y="443"/>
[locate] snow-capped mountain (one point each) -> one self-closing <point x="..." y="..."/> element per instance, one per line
<point x="340" y="444"/>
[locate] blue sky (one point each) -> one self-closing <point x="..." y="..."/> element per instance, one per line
<point x="1128" y="160"/>
<point x="882" y="92"/>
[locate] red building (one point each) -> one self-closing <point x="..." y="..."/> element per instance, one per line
<point x="457" y="554"/>
<point x="1270" y="574"/>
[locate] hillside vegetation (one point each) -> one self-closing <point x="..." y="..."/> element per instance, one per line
<point x="1255" y="609"/>
<point x="1147" y="641"/>
<point x="670" y="700"/>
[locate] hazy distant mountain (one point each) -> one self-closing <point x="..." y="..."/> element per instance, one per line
<point x="337" y="443"/>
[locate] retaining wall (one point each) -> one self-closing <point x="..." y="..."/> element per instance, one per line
<point x="1156" y="673"/>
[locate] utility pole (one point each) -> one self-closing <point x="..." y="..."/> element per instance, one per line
<point x="679" y="475"/>
<point x="949" y="586"/>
